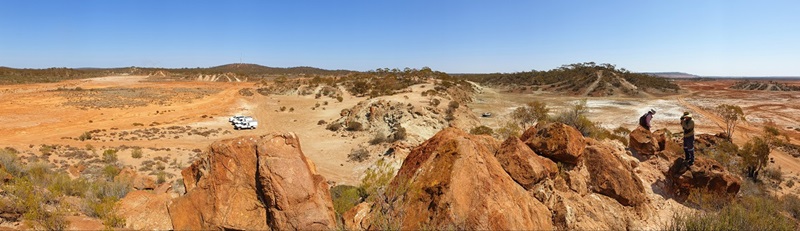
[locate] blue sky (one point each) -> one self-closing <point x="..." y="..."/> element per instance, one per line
<point x="722" y="38"/>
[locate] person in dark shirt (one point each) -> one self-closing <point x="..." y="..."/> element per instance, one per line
<point x="644" y="121"/>
<point x="688" y="137"/>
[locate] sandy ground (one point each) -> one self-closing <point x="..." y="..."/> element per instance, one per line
<point x="33" y="115"/>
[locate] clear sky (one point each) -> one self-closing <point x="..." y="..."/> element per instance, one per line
<point x="721" y="38"/>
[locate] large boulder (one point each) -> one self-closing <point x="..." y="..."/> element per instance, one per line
<point x="144" y="210"/>
<point x="643" y="142"/>
<point x="358" y="217"/>
<point x="454" y="181"/>
<point x="296" y="196"/>
<point x="250" y="183"/>
<point x="611" y="176"/>
<point x="557" y="141"/>
<point x="662" y="136"/>
<point x="523" y="165"/>
<point x="705" y="174"/>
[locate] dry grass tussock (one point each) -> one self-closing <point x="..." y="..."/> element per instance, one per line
<point x="35" y="193"/>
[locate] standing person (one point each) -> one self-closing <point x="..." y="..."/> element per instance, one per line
<point x="644" y="121"/>
<point x="688" y="137"/>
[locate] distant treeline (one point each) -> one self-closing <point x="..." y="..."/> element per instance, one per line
<point x="49" y="75"/>
<point x="251" y="71"/>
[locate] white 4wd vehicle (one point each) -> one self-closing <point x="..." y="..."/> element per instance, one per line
<point x="245" y="125"/>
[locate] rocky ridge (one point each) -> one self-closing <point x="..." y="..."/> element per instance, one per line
<point x="453" y="180"/>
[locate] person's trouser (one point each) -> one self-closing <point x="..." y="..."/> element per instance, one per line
<point x="688" y="149"/>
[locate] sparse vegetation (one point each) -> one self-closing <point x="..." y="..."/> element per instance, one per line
<point x="731" y="114"/>
<point x="575" y="116"/>
<point x="748" y="213"/>
<point x="481" y="130"/>
<point x="85" y="136"/>
<point x="508" y="130"/>
<point x="354" y="126"/>
<point x="37" y="194"/>
<point x="358" y="155"/>
<point x="755" y="156"/>
<point x="346" y="197"/>
<point x="531" y="113"/>
<point x="136" y="153"/>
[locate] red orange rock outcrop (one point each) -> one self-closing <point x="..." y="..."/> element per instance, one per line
<point x="611" y="176"/>
<point x="453" y="180"/>
<point x="144" y="210"/>
<point x="523" y="165"/>
<point x="643" y="142"/>
<point x="251" y="183"/>
<point x="557" y="141"/>
<point x="705" y="174"/>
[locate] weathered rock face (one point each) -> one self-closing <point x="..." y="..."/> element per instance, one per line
<point x="643" y="142"/>
<point x="296" y="196"/>
<point x="249" y="183"/>
<point x="523" y="165"/>
<point x="661" y="136"/>
<point x="611" y="176"/>
<point x="706" y="174"/>
<point x="137" y="182"/>
<point x="222" y="190"/>
<point x="558" y="142"/>
<point x="144" y="210"/>
<point x="453" y="180"/>
<point x="358" y="218"/>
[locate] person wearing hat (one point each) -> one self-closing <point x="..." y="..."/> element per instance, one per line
<point x="688" y="137"/>
<point x="644" y="121"/>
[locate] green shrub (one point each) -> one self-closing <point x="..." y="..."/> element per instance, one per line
<point x="110" y="156"/>
<point x="85" y="136"/>
<point x="61" y="184"/>
<point x="136" y="153"/>
<point x="359" y="154"/>
<point x="377" y="178"/>
<point x="105" y="210"/>
<point x="481" y="130"/>
<point x="399" y="134"/>
<point x="161" y="177"/>
<point x="334" y="126"/>
<point x="110" y="171"/>
<point x="773" y="174"/>
<point x="378" y="139"/>
<point x="39" y="172"/>
<point x="354" y="126"/>
<point x="749" y="213"/>
<point x="346" y="197"/>
<point x="10" y="163"/>
<point x="31" y="201"/>
<point x="508" y="130"/>
<point x="791" y="203"/>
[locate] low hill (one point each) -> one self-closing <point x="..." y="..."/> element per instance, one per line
<point x="763" y="86"/>
<point x="673" y="75"/>
<point x="584" y="79"/>
<point x="228" y="72"/>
